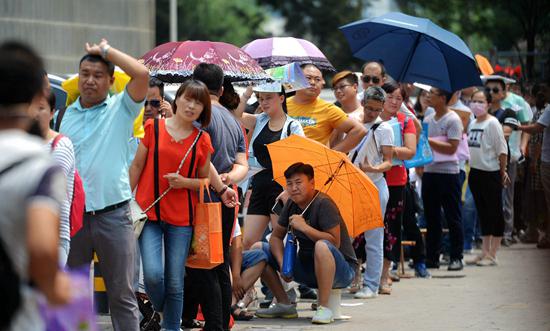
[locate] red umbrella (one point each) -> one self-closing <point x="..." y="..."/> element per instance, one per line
<point x="173" y="62"/>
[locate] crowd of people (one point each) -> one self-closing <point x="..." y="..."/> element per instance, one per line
<point x="488" y="143"/>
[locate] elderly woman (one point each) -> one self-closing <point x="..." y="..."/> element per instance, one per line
<point x="374" y="156"/>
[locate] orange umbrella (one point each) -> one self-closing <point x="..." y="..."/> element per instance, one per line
<point x="352" y="191"/>
<point x="484" y="65"/>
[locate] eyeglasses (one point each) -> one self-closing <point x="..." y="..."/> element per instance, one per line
<point x="367" y="79"/>
<point x="493" y="90"/>
<point x="153" y="103"/>
<point x="339" y="88"/>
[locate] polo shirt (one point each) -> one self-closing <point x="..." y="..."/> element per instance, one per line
<point x="100" y="136"/>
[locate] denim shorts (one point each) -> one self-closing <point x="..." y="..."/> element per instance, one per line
<point x="252" y="257"/>
<point x="304" y="271"/>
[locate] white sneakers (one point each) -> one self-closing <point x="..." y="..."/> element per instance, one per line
<point x="323" y="315"/>
<point x="365" y="293"/>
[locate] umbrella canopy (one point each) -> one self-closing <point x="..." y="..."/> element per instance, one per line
<point x="414" y="49"/>
<point x="173" y="62"/>
<point x="278" y="51"/>
<point x="352" y="191"/>
<point x="484" y="65"/>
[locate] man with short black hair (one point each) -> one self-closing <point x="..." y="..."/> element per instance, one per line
<point x="212" y="288"/>
<point x="441" y="181"/>
<point x="320" y="118"/>
<point x="155" y="104"/>
<point x="325" y="260"/>
<point x="100" y="127"/>
<point x="32" y="190"/>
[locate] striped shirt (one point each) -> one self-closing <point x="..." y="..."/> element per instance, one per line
<point x="63" y="156"/>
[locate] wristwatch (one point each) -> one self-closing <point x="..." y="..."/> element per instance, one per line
<point x="104" y="51"/>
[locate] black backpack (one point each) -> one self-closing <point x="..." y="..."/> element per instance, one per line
<point x="9" y="279"/>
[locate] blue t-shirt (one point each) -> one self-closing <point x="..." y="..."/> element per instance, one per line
<point x="100" y="137"/>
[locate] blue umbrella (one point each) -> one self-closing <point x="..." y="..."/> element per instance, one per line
<point x="414" y="49"/>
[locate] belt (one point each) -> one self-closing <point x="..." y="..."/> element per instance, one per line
<point x="107" y="209"/>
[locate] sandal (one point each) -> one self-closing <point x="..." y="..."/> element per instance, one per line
<point x="384" y="289"/>
<point x="242" y="314"/>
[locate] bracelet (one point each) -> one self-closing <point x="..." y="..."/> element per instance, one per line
<point x="104" y="51"/>
<point x="222" y="191"/>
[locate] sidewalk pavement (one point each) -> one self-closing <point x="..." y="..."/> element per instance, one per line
<point x="513" y="296"/>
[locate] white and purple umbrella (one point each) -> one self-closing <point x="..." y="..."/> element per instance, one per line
<point x="278" y="51"/>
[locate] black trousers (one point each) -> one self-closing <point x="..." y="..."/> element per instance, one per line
<point x="411" y="231"/>
<point x="211" y="288"/>
<point x="486" y="187"/>
<point x="442" y="191"/>
<point x="393" y="221"/>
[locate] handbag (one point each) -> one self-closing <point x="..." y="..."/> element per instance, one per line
<point x="423" y="154"/>
<point x="206" y="249"/>
<point x="138" y="215"/>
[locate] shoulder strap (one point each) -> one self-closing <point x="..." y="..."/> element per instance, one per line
<point x="60" y="115"/>
<point x="288" y="128"/>
<point x="55" y="141"/>
<point x="156" y="168"/>
<point x="373" y="128"/>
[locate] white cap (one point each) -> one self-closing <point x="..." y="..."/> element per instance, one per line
<point x="506" y="80"/>
<point x="274" y="87"/>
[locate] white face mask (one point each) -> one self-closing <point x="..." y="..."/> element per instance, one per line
<point x="478" y="109"/>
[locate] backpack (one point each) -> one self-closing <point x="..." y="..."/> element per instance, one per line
<point x="79" y="197"/>
<point x="9" y="279"/>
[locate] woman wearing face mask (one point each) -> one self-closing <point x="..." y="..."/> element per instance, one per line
<point x="488" y="160"/>
<point x="271" y="125"/>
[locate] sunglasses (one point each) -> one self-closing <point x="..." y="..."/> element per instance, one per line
<point x="367" y="79"/>
<point x="340" y="88"/>
<point x="153" y="103"/>
<point x="493" y="90"/>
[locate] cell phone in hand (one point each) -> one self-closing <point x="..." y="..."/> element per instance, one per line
<point x="277" y="207"/>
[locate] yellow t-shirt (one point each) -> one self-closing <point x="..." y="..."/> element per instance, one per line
<point x="318" y="118"/>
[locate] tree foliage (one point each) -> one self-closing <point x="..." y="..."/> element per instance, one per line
<point x="489" y="24"/>
<point x="318" y="21"/>
<point x="235" y="22"/>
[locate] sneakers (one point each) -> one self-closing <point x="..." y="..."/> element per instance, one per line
<point x="322" y="315"/>
<point x="278" y="310"/>
<point x="365" y="293"/>
<point x="475" y="260"/>
<point x="455" y="265"/>
<point x="420" y="271"/>
<point x="487" y="261"/>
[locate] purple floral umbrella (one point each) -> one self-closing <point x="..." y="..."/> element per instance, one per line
<point x="278" y="51"/>
<point x="173" y="62"/>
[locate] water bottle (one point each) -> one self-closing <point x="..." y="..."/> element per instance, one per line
<point x="289" y="255"/>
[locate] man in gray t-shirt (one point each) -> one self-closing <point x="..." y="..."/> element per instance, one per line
<point x="543" y="125"/>
<point x="441" y="181"/>
<point x="325" y="258"/>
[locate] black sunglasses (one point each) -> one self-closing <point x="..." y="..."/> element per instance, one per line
<point x="494" y="90"/>
<point x="153" y="103"/>
<point x="367" y="79"/>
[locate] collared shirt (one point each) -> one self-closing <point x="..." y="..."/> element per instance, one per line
<point x="100" y="136"/>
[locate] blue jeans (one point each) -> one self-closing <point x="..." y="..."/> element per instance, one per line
<point x="164" y="283"/>
<point x="469" y="219"/>
<point x="374" y="242"/>
<point x="304" y="270"/>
